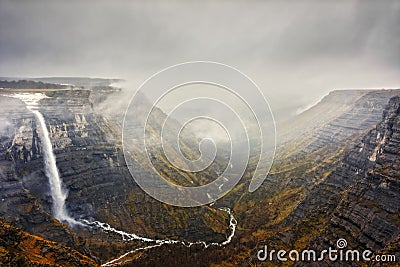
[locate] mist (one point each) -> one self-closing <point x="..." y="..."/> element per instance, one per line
<point x="295" y="52"/>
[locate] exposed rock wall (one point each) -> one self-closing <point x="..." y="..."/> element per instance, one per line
<point x="360" y="199"/>
<point x="91" y="164"/>
<point x="368" y="213"/>
<point x="338" y="117"/>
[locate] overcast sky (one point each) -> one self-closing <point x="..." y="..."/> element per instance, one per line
<point x="296" y="52"/>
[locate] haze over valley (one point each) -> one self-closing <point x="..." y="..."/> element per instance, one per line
<point x="292" y="144"/>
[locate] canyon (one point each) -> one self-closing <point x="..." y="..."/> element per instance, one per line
<point x="336" y="174"/>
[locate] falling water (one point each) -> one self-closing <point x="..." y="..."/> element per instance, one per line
<point x="58" y="193"/>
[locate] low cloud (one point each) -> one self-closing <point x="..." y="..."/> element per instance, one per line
<point x="295" y="52"/>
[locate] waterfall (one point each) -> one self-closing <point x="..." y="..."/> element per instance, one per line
<point x="58" y="193"/>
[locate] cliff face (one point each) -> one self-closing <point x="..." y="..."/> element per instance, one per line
<point x="368" y="212"/>
<point x="360" y="199"/>
<point x="314" y="146"/>
<point x="321" y="187"/>
<point x="20" y="166"/>
<point x="329" y="108"/>
<point x="346" y="188"/>
<point x="91" y="164"/>
<point x="338" y="117"/>
<point x="318" y="138"/>
<point x="365" y="113"/>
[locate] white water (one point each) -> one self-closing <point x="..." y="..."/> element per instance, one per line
<point x="159" y="242"/>
<point x="58" y="194"/>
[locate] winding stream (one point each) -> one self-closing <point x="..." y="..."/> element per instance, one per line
<point x="159" y="242"/>
<point x="59" y="194"/>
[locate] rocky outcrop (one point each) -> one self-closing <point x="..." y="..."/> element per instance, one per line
<point x="347" y="188"/>
<point x="368" y="212"/>
<point x="315" y="145"/>
<point x="321" y="187"/>
<point x="20" y="165"/>
<point x="360" y="199"/>
<point x="89" y="157"/>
